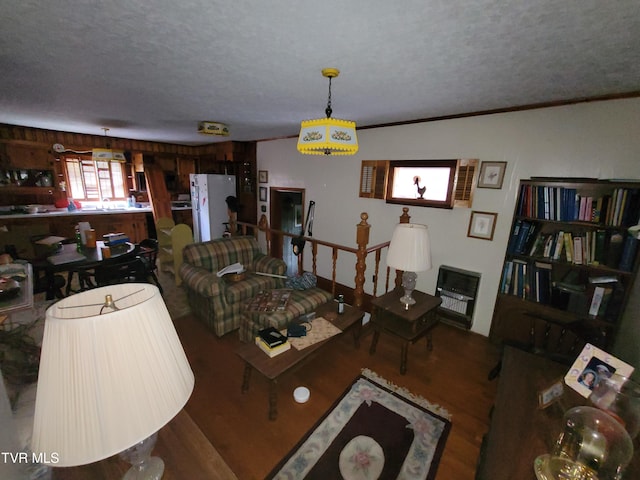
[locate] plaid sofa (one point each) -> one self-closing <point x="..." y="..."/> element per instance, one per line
<point x="219" y="302"/>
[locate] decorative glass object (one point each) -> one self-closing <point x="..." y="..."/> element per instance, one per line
<point x="143" y="465"/>
<point x="592" y="446"/>
<point x="619" y="397"/>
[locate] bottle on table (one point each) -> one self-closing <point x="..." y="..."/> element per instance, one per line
<point x="340" y="304"/>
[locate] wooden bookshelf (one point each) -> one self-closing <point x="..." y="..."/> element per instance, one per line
<point x="570" y="259"/>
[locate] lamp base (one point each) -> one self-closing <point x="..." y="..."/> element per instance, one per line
<point x="143" y="466"/>
<point x="407" y="300"/>
<point x="151" y="469"/>
<point x="409" y="285"/>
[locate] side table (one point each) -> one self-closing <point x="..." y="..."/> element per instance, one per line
<point x="389" y="316"/>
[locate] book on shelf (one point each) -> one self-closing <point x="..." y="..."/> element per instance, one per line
<point x="541" y="288"/>
<point x="272" y="337"/>
<point x="578" y="253"/>
<point x="272" y="351"/>
<point x="506" y="276"/>
<point x="558" y="245"/>
<point x="568" y="246"/>
<point x="629" y="215"/>
<point x="614" y="250"/>
<point x="600" y="300"/>
<point x="628" y="255"/>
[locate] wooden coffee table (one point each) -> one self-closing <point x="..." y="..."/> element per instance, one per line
<point x="273" y="368"/>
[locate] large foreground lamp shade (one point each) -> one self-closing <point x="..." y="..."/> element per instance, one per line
<point x="328" y="136"/>
<point x="409" y="251"/>
<point x="109" y="378"/>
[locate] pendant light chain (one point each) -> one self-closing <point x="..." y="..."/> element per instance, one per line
<point x="328" y="110"/>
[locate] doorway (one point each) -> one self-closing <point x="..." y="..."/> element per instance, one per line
<point x="287" y="215"/>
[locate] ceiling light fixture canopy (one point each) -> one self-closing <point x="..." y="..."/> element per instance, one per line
<point x="107" y="154"/>
<point x="213" y="128"/>
<point x="328" y="136"/>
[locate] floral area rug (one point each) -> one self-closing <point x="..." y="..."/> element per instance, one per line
<point x="376" y="430"/>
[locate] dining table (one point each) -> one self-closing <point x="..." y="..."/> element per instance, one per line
<point x="69" y="258"/>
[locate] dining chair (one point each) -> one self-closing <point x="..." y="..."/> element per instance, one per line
<point x="121" y="271"/>
<point x="148" y="250"/>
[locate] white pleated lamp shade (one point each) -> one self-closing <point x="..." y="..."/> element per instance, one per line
<point x="107" y="381"/>
<point x="410" y="248"/>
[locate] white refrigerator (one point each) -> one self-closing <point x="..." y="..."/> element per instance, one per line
<point x="208" y="203"/>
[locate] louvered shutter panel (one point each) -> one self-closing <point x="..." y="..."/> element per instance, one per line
<point x="465" y="182"/>
<point x="373" y="178"/>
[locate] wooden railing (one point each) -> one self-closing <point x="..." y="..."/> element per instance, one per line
<point x="354" y="293"/>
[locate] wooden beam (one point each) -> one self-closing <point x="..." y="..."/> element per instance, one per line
<point x="158" y="194"/>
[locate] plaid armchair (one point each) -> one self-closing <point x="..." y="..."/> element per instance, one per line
<point x="217" y="301"/>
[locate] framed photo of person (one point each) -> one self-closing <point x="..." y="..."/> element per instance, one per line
<point x="263" y="176"/>
<point x="591" y="365"/>
<point x="551" y="394"/>
<point x="491" y="174"/>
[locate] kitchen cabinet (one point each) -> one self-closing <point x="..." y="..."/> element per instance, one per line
<point x="134" y="225"/>
<point x="27" y="157"/>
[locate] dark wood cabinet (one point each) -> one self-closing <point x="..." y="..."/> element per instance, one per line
<point x="134" y="225"/>
<point x="27" y="157"/>
<point x="570" y="261"/>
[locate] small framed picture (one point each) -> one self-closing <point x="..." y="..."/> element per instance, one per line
<point x="482" y="225"/>
<point x="491" y="174"/>
<point x="263" y="194"/>
<point x="263" y="176"/>
<point x="591" y="365"/>
<point x="551" y="394"/>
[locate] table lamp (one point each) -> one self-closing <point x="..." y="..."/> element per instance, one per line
<point x="112" y="373"/>
<point x="409" y="251"/>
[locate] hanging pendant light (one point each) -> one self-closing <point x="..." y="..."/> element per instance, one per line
<point x="107" y="154"/>
<point x="213" y="128"/>
<point x="328" y="136"/>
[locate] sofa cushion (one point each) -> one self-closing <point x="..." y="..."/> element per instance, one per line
<point x="248" y="288"/>
<point x="300" y="302"/>
<point x="217" y="254"/>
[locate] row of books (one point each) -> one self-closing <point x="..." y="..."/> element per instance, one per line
<point x="533" y="281"/>
<point x="594" y="247"/>
<point x="527" y="280"/>
<point x="620" y="209"/>
<point x="272" y="342"/>
<point x="113" y="239"/>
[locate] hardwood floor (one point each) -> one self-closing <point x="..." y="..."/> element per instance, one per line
<point x="453" y="375"/>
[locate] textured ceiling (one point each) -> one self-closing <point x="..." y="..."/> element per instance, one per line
<point x="152" y="69"/>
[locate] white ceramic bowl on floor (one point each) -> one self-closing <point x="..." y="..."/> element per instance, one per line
<point x="301" y="394"/>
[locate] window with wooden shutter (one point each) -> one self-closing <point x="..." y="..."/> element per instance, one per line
<point x="373" y="178"/>
<point x="458" y="182"/>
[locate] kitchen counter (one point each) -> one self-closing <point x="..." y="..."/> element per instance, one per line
<point x="83" y="212"/>
<point x="19" y="230"/>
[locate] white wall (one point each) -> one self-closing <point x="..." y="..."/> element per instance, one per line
<point x="599" y="139"/>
